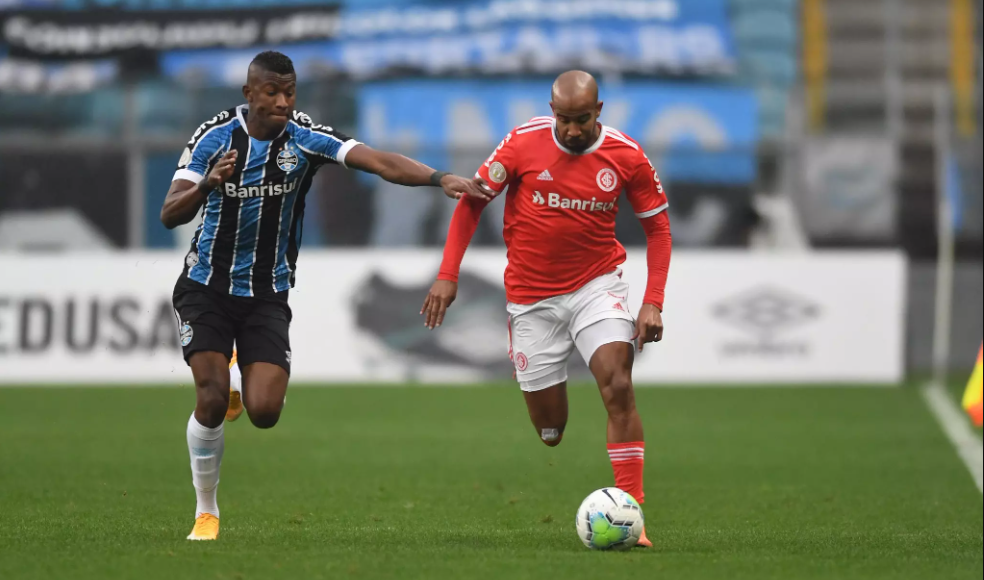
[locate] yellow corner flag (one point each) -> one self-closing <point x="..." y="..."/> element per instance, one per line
<point x="972" y="399"/>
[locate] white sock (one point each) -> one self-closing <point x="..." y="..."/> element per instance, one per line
<point x="236" y="379"/>
<point x="205" y="447"/>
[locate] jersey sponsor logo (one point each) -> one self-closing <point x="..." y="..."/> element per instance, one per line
<point x="544" y="176"/>
<point x="497" y="173"/>
<point x="287" y="160"/>
<point x="556" y="200"/>
<point x="305" y="120"/>
<point x="607" y="180"/>
<point x="260" y="190"/>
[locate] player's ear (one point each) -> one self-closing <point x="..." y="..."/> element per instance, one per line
<point x="598" y="110"/>
<point x="552" y="108"/>
<point x="246" y="92"/>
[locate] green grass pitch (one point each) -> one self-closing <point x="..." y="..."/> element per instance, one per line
<point x="434" y="483"/>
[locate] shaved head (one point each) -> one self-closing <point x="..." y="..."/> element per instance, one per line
<point x="575" y="89"/>
<point x="575" y="104"/>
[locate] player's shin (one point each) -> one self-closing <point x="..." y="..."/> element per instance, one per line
<point x="205" y="446"/>
<point x="626" y="447"/>
<point x="628" y="460"/>
<point x="627" y="463"/>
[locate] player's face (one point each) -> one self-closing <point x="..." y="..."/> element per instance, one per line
<point x="271" y="98"/>
<point x="577" y="128"/>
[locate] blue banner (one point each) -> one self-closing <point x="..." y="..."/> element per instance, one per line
<point x="502" y="37"/>
<point x="699" y="134"/>
<point x="693" y="133"/>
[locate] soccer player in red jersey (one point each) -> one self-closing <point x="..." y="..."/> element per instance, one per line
<point x="561" y="177"/>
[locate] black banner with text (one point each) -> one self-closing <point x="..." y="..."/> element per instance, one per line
<point x="54" y="34"/>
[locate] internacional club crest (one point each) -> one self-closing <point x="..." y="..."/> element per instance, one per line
<point x="522" y="363"/>
<point x="607" y="180"/>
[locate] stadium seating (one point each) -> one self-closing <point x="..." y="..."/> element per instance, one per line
<point x="767" y="37"/>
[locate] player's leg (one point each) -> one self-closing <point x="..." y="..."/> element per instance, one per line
<point x="210" y="370"/>
<point x="548" y="412"/>
<point x="264" y="390"/>
<point x="206" y="439"/>
<point x="263" y="348"/>
<point x="206" y="330"/>
<point x="540" y="346"/>
<point x="603" y="332"/>
<point x="604" y="344"/>
<point x="611" y="365"/>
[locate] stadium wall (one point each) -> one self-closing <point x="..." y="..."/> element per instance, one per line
<point x="731" y="318"/>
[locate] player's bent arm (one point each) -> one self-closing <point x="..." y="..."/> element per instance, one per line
<point x="185" y="197"/>
<point x="183" y="201"/>
<point x="649" y="323"/>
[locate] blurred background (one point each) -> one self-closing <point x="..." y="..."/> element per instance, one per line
<point x="822" y="159"/>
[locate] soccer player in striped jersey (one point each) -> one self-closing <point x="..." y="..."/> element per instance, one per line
<point x="250" y="167"/>
<point x="561" y="177"/>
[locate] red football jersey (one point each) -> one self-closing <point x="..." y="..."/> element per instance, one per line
<point x="559" y="224"/>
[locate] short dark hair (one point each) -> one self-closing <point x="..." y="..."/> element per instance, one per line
<point x="275" y="62"/>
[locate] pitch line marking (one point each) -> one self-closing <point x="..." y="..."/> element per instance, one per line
<point x="957" y="430"/>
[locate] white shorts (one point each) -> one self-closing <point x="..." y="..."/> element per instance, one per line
<point x="543" y="335"/>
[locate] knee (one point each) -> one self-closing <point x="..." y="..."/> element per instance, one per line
<point x="551" y="436"/>
<point x="264" y="415"/>
<point x="617" y="393"/>
<point x="212" y="400"/>
<point x="552" y="442"/>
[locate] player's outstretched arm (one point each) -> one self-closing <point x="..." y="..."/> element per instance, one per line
<point x="462" y="229"/>
<point x="185" y="197"/>
<point x="402" y="170"/>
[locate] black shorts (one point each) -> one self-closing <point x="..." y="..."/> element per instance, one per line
<point x="209" y="320"/>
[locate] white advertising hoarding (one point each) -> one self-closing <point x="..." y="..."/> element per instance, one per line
<point x="731" y="317"/>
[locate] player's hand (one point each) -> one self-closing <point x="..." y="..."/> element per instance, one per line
<point x="457" y="187"/>
<point x="223" y="169"/>
<point x="484" y="186"/>
<point x="649" y="325"/>
<point x="441" y="295"/>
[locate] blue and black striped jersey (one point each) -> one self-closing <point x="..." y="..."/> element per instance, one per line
<point x="252" y="224"/>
